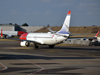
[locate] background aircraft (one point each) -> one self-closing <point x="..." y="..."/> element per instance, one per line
<point x="9" y="34"/>
<point x="97" y="38"/>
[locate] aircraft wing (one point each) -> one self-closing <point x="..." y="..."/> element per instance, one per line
<point x="78" y="34"/>
<point x="90" y="38"/>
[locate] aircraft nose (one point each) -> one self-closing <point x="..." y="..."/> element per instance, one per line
<point x="23" y="36"/>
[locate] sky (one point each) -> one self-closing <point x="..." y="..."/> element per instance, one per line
<point x="52" y="12"/>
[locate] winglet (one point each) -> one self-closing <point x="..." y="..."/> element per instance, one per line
<point x="97" y="33"/>
<point x="69" y="12"/>
<point x="1" y="33"/>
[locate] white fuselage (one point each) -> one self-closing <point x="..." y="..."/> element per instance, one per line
<point x="98" y="39"/>
<point x="45" y="38"/>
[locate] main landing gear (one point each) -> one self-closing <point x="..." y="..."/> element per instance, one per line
<point x="36" y="46"/>
<point x="51" y="46"/>
<point x="27" y="44"/>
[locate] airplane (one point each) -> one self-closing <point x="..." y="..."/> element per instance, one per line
<point x="50" y="39"/>
<point x="93" y="39"/>
<point x="10" y="34"/>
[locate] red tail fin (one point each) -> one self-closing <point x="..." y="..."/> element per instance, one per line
<point x="1" y="33"/>
<point x="97" y="33"/>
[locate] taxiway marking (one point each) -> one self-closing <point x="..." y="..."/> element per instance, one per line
<point x="42" y="68"/>
<point x="4" y="67"/>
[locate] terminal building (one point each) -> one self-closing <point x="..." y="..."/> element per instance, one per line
<point x="20" y="28"/>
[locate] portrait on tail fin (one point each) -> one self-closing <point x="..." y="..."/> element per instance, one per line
<point x="65" y="28"/>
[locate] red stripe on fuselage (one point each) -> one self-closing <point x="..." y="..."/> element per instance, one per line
<point x="23" y="36"/>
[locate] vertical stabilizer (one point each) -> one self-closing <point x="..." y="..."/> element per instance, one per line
<point x="65" y="28"/>
<point x="1" y="33"/>
<point x="97" y="33"/>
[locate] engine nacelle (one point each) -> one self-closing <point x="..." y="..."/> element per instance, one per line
<point x="24" y="43"/>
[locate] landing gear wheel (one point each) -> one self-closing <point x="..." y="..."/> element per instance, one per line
<point x="51" y="46"/>
<point x="36" y="46"/>
<point x="27" y="44"/>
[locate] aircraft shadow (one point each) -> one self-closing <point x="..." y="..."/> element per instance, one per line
<point x="73" y="48"/>
<point x="14" y="57"/>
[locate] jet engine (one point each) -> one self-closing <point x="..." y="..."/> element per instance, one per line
<point x="24" y="43"/>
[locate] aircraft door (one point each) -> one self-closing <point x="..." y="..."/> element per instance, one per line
<point x="55" y="37"/>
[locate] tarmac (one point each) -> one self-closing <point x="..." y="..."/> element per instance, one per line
<point x="61" y="60"/>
